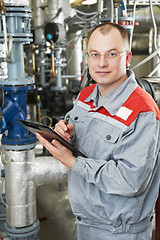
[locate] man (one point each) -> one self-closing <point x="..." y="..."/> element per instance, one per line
<point x="116" y="125"/>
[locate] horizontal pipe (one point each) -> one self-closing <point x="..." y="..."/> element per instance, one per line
<point x="48" y="170"/>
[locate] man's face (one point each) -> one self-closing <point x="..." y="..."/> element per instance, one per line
<point x="107" y="72"/>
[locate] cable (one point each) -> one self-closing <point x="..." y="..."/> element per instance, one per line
<point x="147" y="59"/>
<point x="154" y="70"/>
<point x="77" y="36"/>
<point x="87" y="19"/>
<point x="154" y="24"/>
<point x="83" y="83"/>
<point x="84" y="13"/>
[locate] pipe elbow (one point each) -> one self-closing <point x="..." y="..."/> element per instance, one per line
<point x="48" y="170"/>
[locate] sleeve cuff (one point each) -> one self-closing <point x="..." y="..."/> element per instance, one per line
<point x="79" y="166"/>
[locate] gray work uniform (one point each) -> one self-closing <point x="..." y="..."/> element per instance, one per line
<point x="115" y="189"/>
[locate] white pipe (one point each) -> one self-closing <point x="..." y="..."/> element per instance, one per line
<point x="5" y="33"/>
<point x="48" y="170"/>
<point x="100" y="6"/>
<point x="116" y="14"/>
<point x="112" y="11"/>
<point x="154" y="25"/>
<point x="23" y="174"/>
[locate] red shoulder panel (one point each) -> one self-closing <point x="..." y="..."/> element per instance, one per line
<point x="84" y="94"/>
<point x="139" y="101"/>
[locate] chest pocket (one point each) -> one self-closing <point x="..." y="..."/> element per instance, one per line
<point x="78" y="116"/>
<point x="108" y="132"/>
<point x="78" y="119"/>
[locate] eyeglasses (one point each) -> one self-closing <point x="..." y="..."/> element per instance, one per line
<point x="110" y="55"/>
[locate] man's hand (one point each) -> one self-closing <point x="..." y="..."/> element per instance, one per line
<point x="63" y="154"/>
<point x="66" y="131"/>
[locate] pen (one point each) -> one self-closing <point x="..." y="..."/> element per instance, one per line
<point x="67" y="119"/>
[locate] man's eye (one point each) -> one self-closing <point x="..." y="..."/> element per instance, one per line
<point x="95" y="55"/>
<point x="112" y="54"/>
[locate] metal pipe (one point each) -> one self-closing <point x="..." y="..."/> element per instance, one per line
<point x="100" y="6"/>
<point x="23" y="174"/>
<point x="20" y="191"/>
<point x="38" y="19"/>
<point x="48" y="170"/>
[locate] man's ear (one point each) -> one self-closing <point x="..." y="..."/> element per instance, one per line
<point x="128" y="58"/>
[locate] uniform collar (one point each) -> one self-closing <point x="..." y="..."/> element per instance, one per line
<point x="118" y="96"/>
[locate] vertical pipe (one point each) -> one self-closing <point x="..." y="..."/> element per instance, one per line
<point x="100" y="6"/>
<point x="42" y="65"/>
<point x="116" y="15"/>
<point x="16" y="67"/>
<point x="58" y="52"/>
<point x="20" y="189"/>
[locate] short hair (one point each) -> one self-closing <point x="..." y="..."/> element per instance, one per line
<point x="105" y="28"/>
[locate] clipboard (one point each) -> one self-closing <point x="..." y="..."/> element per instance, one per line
<point x="49" y="134"/>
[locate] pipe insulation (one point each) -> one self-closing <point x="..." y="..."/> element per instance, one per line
<point x="48" y="170"/>
<point x="24" y="173"/>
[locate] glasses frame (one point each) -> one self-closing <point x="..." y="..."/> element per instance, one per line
<point x="106" y="55"/>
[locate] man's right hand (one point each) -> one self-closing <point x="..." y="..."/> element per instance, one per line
<point x="66" y="131"/>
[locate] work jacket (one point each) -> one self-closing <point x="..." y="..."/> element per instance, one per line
<point x="116" y="186"/>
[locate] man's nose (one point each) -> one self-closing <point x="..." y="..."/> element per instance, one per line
<point x="103" y="61"/>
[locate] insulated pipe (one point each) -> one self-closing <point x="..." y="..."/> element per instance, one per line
<point x="23" y="174"/>
<point x="38" y="20"/>
<point x="100" y="6"/>
<point x="48" y="170"/>
<point x="20" y="190"/>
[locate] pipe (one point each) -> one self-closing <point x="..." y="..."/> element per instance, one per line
<point x="23" y="174"/>
<point x="100" y="6"/>
<point x="48" y="170"/>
